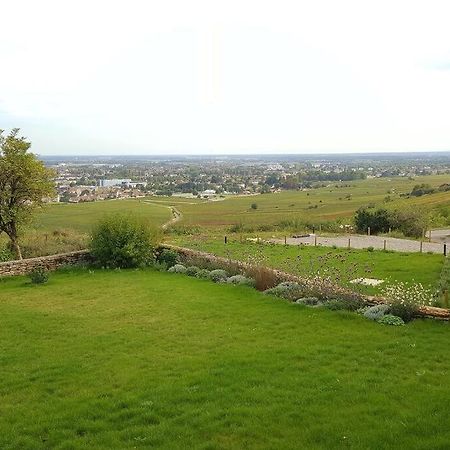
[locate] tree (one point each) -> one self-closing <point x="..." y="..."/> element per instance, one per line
<point x="24" y="182"/>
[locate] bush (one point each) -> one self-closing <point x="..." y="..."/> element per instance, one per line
<point x="203" y="273"/>
<point x="370" y="249"/>
<point x="160" y="266"/>
<point x="218" y="276"/>
<point x="122" y="241"/>
<point x="6" y="254"/>
<point x="192" y="271"/>
<point x="376" y="312"/>
<point x="288" y="290"/>
<point x="390" y="319"/>
<point x="167" y="256"/>
<point x="39" y="275"/>
<point x="309" y="301"/>
<point x="241" y="280"/>
<point x="177" y="268"/>
<point x="405" y="311"/>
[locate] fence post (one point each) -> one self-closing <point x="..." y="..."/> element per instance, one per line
<point x="384" y="245"/>
<point x="285" y="240"/>
<point x="429" y="236"/>
<point x="421" y="246"/>
<point x="349" y="243"/>
<point x="445" y="249"/>
<point x="315" y="241"/>
<point x="225" y="239"/>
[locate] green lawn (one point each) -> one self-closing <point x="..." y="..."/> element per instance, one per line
<point x="341" y="264"/>
<point x="142" y="359"/>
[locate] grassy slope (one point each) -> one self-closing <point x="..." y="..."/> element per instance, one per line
<point x="138" y="359"/>
<point x="346" y="264"/>
<point x="82" y="216"/>
<point x="331" y="202"/>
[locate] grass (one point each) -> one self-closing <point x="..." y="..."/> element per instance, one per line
<point x="140" y="359"/>
<point x="82" y="216"/>
<point x="342" y="264"/>
<point x="323" y="204"/>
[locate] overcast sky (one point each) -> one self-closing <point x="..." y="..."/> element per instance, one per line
<point x="245" y="76"/>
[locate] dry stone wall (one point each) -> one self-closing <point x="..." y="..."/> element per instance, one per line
<point x="25" y="266"/>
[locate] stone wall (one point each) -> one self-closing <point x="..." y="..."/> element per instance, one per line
<point x="24" y="266"/>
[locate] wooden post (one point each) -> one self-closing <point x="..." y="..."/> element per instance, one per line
<point x="349" y="243"/>
<point x="315" y="241"/>
<point x="429" y="236"/>
<point x="225" y="240"/>
<point x="384" y="245"/>
<point x="285" y="240"/>
<point x="445" y="249"/>
<point x="421" y="246"/>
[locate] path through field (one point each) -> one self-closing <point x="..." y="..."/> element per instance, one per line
<point x="176" y="214"/>
<point x="378" y="242"/>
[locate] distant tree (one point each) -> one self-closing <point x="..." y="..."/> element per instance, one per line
<point x="379" y="220"/>
<point x="254" y="206"/>
<point x="24" y="182"/>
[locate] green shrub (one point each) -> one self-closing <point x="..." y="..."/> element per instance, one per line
<point x="6" y="254"/>
<point x="177" y="268"/>
<point x="122" y="241"/>
<point x="167" y="256"/>
<point x="376" y="312"/>
<point x="348" y="304"/>
<point x="390" y="319"/>
<point x="192" y="271"/>
<point x="160" y="266"/>
<point x="370" y="249"/>
<point x="287" y="290"/>
<point x="309" y="301"/>
<point x="218" y="276"/>
<point x="242" y="280"/>
<point x="406" y="311"/>
<point x="203" y="273"/>
<point x="39" y="275"/>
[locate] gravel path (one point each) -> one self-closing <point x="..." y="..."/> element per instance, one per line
<point x="361" y="241"/>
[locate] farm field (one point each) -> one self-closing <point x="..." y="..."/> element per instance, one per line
<point x="82" y="216"/>
<point x="139" y="359"/>
<point x="323" y="204"/>
<point x="341" y="264"/>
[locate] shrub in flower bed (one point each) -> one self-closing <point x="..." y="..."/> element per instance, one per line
<point x="218" y="276"/>
<point x="203" y="273"/>
<point x="192" y="271"/>
<point x="376" y="312"/>
<point x="242" y="280"/>
<point x="309" y="301"/>
<point x="389" y="319"/>
<point x="178" y="268"/>
<point x="337" y="304"/>
<point x="166" y="256"/>
<point x="288" y="290"/>
<point x="38" y="275"/>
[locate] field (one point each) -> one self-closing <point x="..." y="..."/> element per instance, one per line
<point x="81" y="216"/>
<point x="139" y="359"/>
<point x="341" y="264"/>
<point x="338" y="201"/>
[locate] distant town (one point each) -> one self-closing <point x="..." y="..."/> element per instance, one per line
<point x="88" y="179"/>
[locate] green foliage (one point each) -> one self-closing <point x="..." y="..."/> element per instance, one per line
<point x="39" y="275"/>
<point x="5" y="254"/>
<point x="308" y="301"/>
<point x="178" y="268"/>
<point x="24" y="182"/>
<point x="390" y="319"/>
<point x="377" y="219"/>
<point x="287" y="290"/>
<point x="254" y="206"/>
<point x="406" y="311"/>
<point x="376" y="312"/>
<point x="192" y="271"/>
<point x="203" y="273"/>
<point x="218" y="276"/>
<point x="241" y="280"/>
<point x="167" y="256"/>
<point x="123" y="241"/>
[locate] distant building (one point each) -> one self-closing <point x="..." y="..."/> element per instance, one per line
<point x="114" y="182"/>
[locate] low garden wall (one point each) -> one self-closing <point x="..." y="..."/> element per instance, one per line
<point x="53" y="262"/>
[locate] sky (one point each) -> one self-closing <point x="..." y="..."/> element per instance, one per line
<point x="226" y="77"/>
